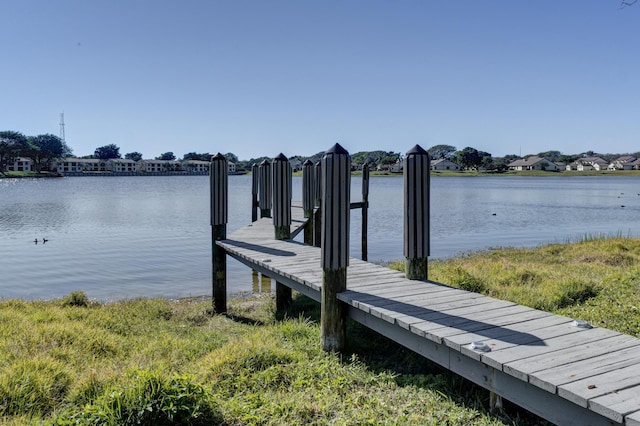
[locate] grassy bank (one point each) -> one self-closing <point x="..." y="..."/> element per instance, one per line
<point x="154" y="361"/>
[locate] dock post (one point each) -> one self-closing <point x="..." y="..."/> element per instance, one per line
<point x="308" y="199"/>
<point x="218" y="179"/>
<point x="365" y="209"/>
<point x="281" y="169"/>
<point x="416" y="213"/>
<point x="317" y="220"/>
<point x="264" y="199"/>
<point x="255" y="185"/>
<point x="335" y="202"/>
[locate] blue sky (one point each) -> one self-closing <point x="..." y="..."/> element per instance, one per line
<point x="258" y="78"/>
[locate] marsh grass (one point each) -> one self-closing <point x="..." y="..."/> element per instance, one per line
<point x="158" y="361"/>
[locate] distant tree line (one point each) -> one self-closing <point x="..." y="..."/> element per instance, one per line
<point x="43" y="149"/>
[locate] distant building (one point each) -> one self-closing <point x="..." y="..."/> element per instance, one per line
<point x="444" y="164"/>
<point x="21" y="164"/>
<point x="533" y="163"/>
<point x="626" y="162"/>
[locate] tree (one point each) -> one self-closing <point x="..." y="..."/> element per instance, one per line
<point x="469" y="158"/>
<point x="108" y="151"/>
<point x="12" y="144"/>
<point x="168" y="156"/>
<point x="45" y="148"/>
<point x="438" y="152"/>
<point x="232" y="158"/>
<point x="135" y="156"/>
<point x="195" y="156"/>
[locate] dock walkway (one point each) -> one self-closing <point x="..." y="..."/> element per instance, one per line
<point x="553" y="366"/>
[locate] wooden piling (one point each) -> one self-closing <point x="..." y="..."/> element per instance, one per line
<point x="308" y="199"/>
<point x="218" y="182"/>
<point x="255" y="185"/>
<point x="317" y="219"/>
<point x="416" y="213"/>
<point x="265" y="190"/>
<point x="336" y="187"/>
<point x="365" y="209"/>
<point x="281" y="169"/>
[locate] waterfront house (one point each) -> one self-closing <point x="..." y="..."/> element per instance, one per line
<point x="444" y="164"/>
<point x="625" y="162"/>
<point x="159" y="166"/>
<point x="533" y="163"/>
<point x="196" y="166"/>
<point x="120" y="165"/>
<point x="78" y="165"/>
<point x="20" y="164"/>
<point x="588" y="163"/>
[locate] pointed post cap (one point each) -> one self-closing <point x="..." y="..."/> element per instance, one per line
<point x="218" y="157"/>
<point x="281" y="157"/>
<point x="265" y="163"/>
<point x="417" y="150"/>
<point x="337" y="149"/>
<point x="307" y="162"/>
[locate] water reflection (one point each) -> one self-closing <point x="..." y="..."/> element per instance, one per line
<point x="261" y="283"/>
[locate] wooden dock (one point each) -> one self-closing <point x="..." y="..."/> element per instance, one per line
<point x="561" y="369"/>
<point x="548" y="364"/>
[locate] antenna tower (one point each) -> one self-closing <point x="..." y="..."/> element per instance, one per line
<point x="62" y="126"/>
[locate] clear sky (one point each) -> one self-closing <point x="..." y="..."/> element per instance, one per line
<point x="261" y="77"/>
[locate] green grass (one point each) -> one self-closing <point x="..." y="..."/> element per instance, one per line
<point x="157" y="361"/>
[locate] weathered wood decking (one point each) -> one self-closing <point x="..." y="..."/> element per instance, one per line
<point x="540" y="361"/>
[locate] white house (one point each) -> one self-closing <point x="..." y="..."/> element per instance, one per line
<point x="77" y="165"/>
<point x="623" y="163"/>
<point x="443" y="164"/>
<point x="21" y="164"/>
<point x="533" y="163"/>
<point x="120" y="165"/>
<point x="198" y="166"/>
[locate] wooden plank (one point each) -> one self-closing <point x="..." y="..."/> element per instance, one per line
<point x="405" y="320"/>
<point x="603" y="349"/>
<point x="548" y="340"/>
<point x="525" y="334"/>
<point x="581" y="391"/>
<point x="617" y="405"/>
<point x="633" y="419"/>
<point x="568" y="373"/>
<point x="559" y="354"/>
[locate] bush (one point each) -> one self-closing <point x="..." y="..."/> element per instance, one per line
<point x="77" y="298"/>
<point x="149" y="399"/>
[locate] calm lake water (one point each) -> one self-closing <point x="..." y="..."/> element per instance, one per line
<point x="123" y="237"/>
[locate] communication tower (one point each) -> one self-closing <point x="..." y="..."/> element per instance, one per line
<point x="62" y="126"/>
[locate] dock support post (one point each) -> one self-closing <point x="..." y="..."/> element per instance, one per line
<point x="255" y="185"/>
<point x="308" y="199"/>
<point x="336" y="198"/>
<point x="264" y="199"/>
<point x="365" y="209"/>
<point x="282" y="217"/>
<point x="416" y="213"/>
<point x="317" y="220"/>
<point x="218" y="181"/>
